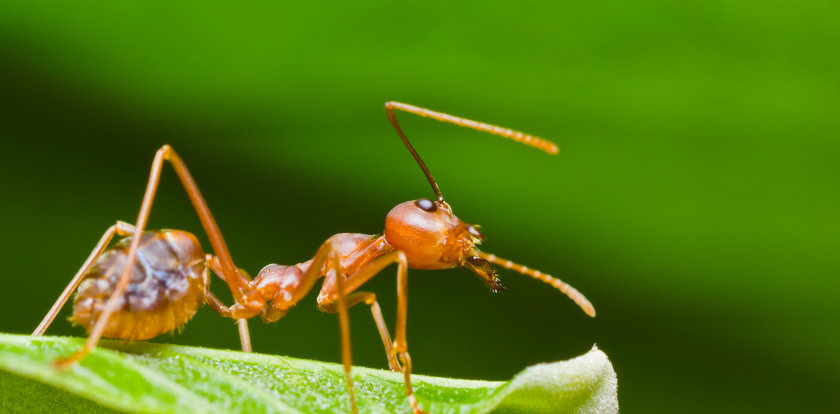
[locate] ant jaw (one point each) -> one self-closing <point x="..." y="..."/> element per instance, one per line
<point x="483" y="269"/>
<point x="497" y="286"/>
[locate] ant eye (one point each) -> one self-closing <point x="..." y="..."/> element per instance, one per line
<point x="474" y="231"/>
<point x="426" y="204"/>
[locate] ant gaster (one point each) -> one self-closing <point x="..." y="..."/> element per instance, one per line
<point x="171" y="273"/>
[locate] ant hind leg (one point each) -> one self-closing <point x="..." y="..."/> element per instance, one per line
<point x="121" y="228"/>
<point x="236" y="282"/>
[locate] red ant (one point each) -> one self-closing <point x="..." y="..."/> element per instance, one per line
<point x="170" y="276"/>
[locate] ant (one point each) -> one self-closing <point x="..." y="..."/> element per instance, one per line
<point x="152" y="282"/>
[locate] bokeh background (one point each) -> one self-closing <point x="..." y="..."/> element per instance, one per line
<point x="695" y="200"/>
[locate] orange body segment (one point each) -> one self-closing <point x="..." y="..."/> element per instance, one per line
<point x="166" y="288"/>
<point x="431" y="239"/>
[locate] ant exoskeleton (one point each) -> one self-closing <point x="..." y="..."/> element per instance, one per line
<point x="171" y="273"/>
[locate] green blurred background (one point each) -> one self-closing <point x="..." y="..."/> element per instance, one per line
<point x="695" y="200"/>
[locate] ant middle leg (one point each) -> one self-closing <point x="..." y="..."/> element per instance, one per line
<point x="242" y="324"/>
<point x="239" y="311"/>
<point x="217" y="305"/>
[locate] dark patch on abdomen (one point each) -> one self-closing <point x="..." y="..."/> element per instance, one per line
<point x="166" y="287"/>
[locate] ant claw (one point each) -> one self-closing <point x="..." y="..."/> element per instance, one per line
<point x="497" y="287"/>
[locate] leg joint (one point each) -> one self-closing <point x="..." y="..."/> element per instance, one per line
<point x="164" y="151"/>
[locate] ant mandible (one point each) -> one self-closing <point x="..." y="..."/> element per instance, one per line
<point x="171" y="273"/>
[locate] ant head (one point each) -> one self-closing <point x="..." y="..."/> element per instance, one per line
<point x="433" y="238"/>
<point x="426" y="230"/>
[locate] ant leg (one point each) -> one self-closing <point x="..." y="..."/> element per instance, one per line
<point x="316" y="267"/>
<point x="237" y="282"/>
<point x="332" y="295"/>
<point x="125" y="275"/>
<point x="244" y="335"/>
<point x="327" y="298"/>
<point x="344" y="323"/>
<point x="376" y="311"/>
<point x="401" y="343"/>
<point x="121" y="228"/>
<point x="400" y="346"/>
<point x="369" y="298"/>
<point x="216" y="304"/>
<point x="234" y="279"/>
<point x="239" y="312"/>
<point x="211" y="300"/>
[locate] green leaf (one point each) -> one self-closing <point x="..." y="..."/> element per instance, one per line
<point x="138" y="377"/>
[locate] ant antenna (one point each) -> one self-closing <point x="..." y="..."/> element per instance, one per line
<point x="530" y="140"/>
<point x="560" y="285"/>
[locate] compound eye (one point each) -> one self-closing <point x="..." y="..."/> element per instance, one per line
<point x="426" y="204"/>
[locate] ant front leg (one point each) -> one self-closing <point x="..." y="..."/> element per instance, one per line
<point x="296" y="282"/>
<point x="399" y="349"/>
<point x="369" y="298"/>
<point x="401" y="343"/>
<point x="325" y="260"/>
<point x="121" y="228"/>
<point x="329" y="294"/>
<point x="344" y="322"/>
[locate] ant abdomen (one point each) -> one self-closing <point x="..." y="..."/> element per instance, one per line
<point x="167" y="286"/>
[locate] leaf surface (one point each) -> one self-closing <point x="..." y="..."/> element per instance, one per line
<point x="138" y="377"/>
